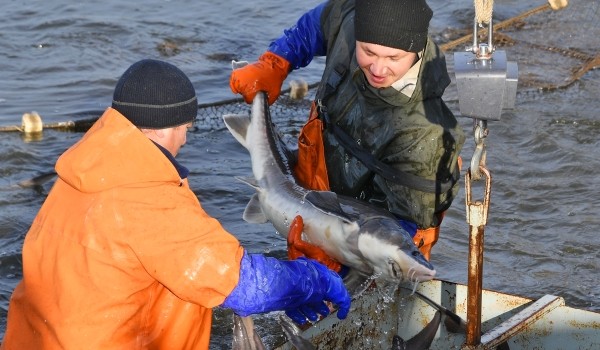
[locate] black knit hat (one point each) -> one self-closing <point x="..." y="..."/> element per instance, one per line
<point x="401" y="24"/>
<point x="155" y="95"/>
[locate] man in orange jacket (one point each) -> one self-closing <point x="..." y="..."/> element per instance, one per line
<point x="122" y="256"/>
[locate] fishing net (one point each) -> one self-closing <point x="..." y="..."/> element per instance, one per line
<point x="553" y="49"/>
<point x="210" y="115"/>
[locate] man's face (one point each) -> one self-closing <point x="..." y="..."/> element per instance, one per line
<point x="383" y="65"/>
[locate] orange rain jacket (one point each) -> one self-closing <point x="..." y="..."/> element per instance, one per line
<point x="121" y="254"/>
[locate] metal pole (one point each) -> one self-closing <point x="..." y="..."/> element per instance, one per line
<point x="477" y="212"/>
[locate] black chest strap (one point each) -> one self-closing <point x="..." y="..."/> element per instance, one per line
<point x="372" y="163"/>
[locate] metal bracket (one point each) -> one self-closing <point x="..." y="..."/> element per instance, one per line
<point x="486" y="81"/>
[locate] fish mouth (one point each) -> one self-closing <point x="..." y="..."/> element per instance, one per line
<point x="411" y="271"/>
<point x="395" y="258"/>
<point x="409" y="264"/>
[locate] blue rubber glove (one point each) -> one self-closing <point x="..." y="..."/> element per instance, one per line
<point x="409" y="226"/>
<point x="298" y="287"/>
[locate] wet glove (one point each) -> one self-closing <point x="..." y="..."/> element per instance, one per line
<point x="266" y="74"/>
<point x="299" y="248"/>
<point x="298" y="287"/>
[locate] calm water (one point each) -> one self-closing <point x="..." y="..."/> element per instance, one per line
<point x="62" y="59"/>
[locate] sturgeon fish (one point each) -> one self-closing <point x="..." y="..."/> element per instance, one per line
<point x="363" y="237"/>
<point x="245" y="336"/>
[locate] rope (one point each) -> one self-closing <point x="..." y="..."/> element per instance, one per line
<point x="71" y="125"/>
<point x="11" y="128"/>
<point x="210" y="113"/>
<point x="502" y="25"/>
<point x="483" y="11"/>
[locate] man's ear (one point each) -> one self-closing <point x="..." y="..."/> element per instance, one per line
<point x="152" y="133"/>
<point x="160" y="133"/>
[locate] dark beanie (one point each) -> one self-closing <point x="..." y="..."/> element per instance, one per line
<point x="155" y="95"/>
<point x="401" y="24"/>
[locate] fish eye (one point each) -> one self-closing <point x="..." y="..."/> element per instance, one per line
<point x="395" y="272"/>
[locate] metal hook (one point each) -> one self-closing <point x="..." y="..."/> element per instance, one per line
<point x="480" y="132"/>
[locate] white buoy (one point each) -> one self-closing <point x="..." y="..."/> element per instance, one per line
<point x="558" y="4"/>
<point x="32" y="123"/>
<point x="298" y="89"/>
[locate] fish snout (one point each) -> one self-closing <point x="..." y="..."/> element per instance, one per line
<point x="411" y="266"/>
<point x="410" y="272"/>
<point x="420" y="258"/>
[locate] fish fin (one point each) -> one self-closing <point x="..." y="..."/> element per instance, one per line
<point x="244" y="335"/>
<point x="328" y="203"/>
<point x="423" y="339"/>
<point x="253" y="212"/>
<point x="398" y="343"/>
<point x="453" y="322"/>
<point x="238" y="126"/>
<point x="294" y="335"/>
<point x="250" y="181"/>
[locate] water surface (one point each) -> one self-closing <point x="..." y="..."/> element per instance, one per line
<point x="62" y="59"/>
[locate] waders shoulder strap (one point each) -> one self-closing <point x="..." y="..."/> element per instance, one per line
<point x="386" y="171"/>
<point x="372" y="163"/>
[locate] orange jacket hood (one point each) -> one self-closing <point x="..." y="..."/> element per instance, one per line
<point x="121" y="255"/>
<point x="91" y="165"/>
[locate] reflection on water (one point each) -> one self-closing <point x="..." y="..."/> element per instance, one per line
<point x="62" y="60"/>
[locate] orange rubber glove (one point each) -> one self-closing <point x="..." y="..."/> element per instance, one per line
<point x="298" y="248"/>
<point x="267" y="74"/>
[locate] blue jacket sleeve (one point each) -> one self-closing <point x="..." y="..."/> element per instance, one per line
<point x="267" y="284"/>
<point x="302" y="42"/>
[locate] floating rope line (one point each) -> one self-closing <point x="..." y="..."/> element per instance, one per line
<point x="514" y="32"/>
<point x="31" y="123"/>
<point x="502" y="25"/>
